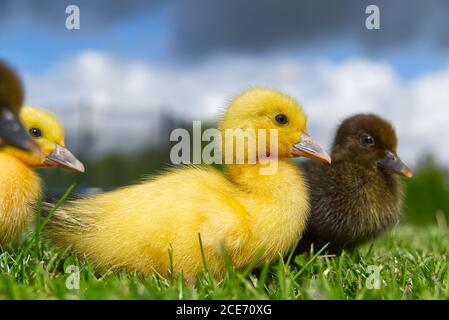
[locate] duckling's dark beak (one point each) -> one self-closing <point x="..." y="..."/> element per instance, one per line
<point x="309" y="149"/>
<point x="392" y="163"/>
<point x="14" y="134"/>
<point x="63" y="158"/>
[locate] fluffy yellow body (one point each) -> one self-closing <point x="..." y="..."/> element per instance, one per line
<point x="135" y="227"/>
<point x="19" y="188"/>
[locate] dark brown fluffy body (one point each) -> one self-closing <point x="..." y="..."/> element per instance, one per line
<point x="352" y="200"/>
<point x="350" y="204"/>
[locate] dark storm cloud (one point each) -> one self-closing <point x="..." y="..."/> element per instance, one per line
<point x="204" y="27"/>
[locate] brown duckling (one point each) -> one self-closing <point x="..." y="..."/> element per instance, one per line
<point x="358" y="196"/>
<point x="12" y="131"/>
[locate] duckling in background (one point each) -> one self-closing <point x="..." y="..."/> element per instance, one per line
<point x="11" y="99"/>
<point x="135" y="227"/>
<point x="358" y="196"/>
<point x="19" y="184"/>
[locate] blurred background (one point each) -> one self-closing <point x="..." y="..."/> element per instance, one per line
<point x="137" y="69"/>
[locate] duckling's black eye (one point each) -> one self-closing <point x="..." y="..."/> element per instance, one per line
<point x="281" y="119"/>
<point x="36" y="133"/>
<point x="366" y="139"/>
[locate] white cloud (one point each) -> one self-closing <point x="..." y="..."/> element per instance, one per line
<point x="128" y="95"/>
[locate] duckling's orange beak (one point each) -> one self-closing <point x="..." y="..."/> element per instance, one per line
<point x="63" y="158"/>
<point x="392" y="163"/>
<point x="309" y="149"/>
<point x="13" y="133"/>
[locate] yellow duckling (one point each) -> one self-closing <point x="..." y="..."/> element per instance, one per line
<point x="19" y="184"/>
<point x="135" y="227"/>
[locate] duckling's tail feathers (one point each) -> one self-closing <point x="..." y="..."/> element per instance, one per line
<point x="63" y="222"/>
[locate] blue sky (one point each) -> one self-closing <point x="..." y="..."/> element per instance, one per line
<point x="32" y="46"/>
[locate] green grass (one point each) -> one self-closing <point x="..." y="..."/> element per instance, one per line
<point x="427" y="191"/>
<point x="414" y="260"/>
<point x="414" y="265"/>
